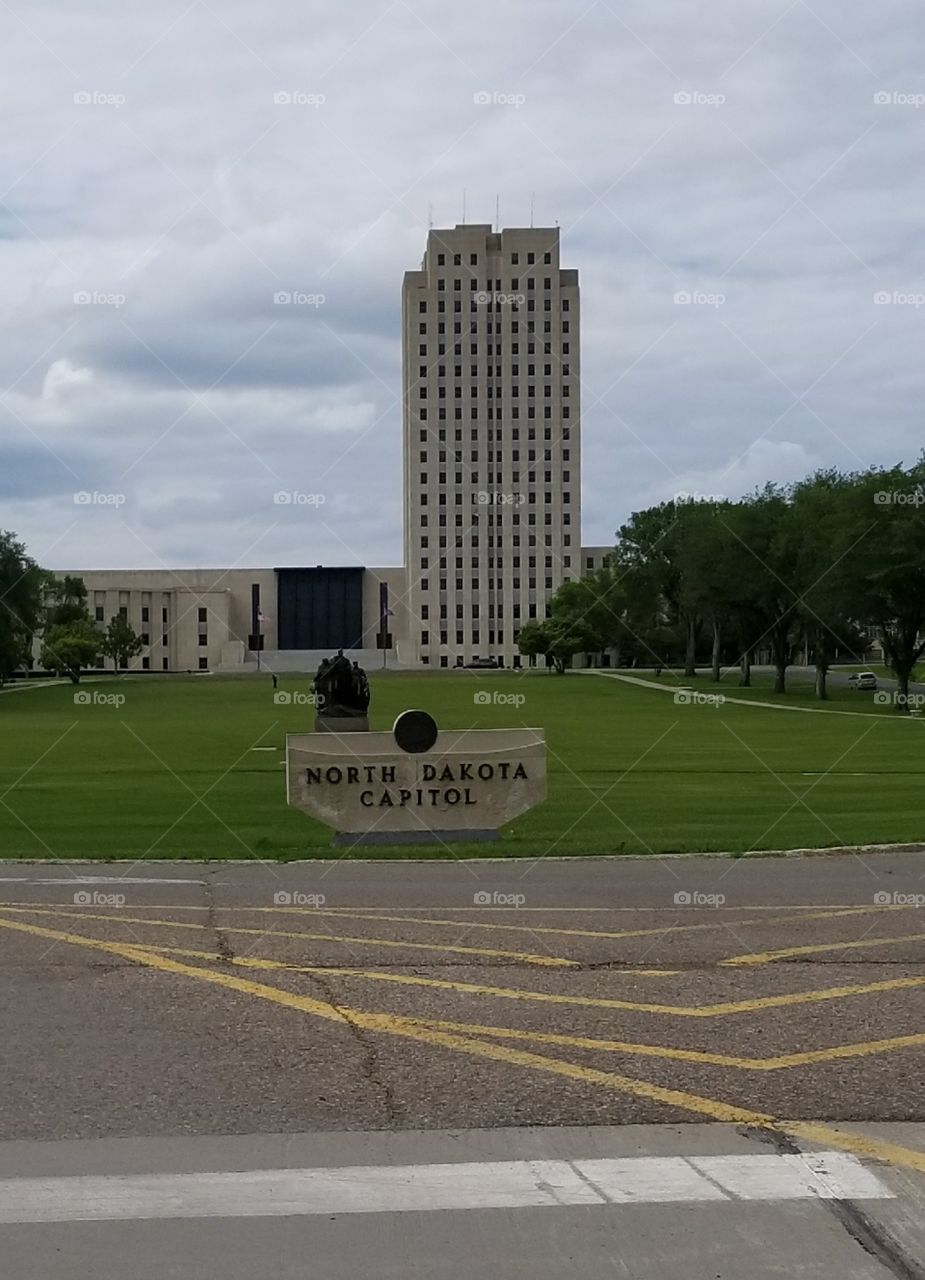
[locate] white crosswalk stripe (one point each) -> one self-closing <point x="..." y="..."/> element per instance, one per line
<point x="470" y="1185"/>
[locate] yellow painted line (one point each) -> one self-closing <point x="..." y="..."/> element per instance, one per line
<point x="570" y="933"/>
<point x="864" y="1049"/>
<point x="860" y="1049"/>
<point x="805" y="908"/>
<point x="765" y="957"/>
<point x="594" y="1002"/>
<point x="522" y="957"/>
<point x="806" y="913"/>
<point x="407" y="1028"/>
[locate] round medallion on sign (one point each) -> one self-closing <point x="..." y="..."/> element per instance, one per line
<point x="415" y="731"/>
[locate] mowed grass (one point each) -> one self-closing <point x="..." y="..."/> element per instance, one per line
<point x="800" y="687"/>
<point x="176" y="771"/>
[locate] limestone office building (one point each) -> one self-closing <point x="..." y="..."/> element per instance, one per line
<point x="492" y="484"/>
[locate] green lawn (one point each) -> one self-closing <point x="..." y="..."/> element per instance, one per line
<point x="800" y="689"/>
<point x="173" y="772"/>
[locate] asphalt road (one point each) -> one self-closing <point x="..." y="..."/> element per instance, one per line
<point x="761" y="1005"/>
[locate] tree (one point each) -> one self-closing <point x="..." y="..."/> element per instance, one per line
<point x="21" y="595"/>
<point x="768" y="552"/>
<point x="602" y="599"/>
<point x="884" y="570"/>
<point x="709" y="557"/>
<point x="68" y="647"/>
<point x="120" y="642"/>
<point x="825" y="533"/>
<point x="646" y="558"/>
<point x="68" y="600"/>
<point x="534" y="640"/>
<point x="570" y="633"/>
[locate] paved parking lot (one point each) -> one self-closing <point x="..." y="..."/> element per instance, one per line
<point x="638" y="1047"/>
<point x="235" y="999"/>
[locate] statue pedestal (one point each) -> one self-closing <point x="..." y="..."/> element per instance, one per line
<point x="341" y="724"/>
<point x="408" y="787"/>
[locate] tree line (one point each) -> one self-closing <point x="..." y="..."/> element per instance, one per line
<point x="34" y="603"/>
<point x="825" y="567"/>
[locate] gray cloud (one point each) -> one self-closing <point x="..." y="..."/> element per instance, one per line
<point x="738" y="158"/>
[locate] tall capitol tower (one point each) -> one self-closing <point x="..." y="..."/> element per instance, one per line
<point x="491" y="396"/>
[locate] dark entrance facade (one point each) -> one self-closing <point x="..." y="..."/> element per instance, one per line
<point x="320" y="608"/>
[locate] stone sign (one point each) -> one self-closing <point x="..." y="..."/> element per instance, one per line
<point x="393" y="788"/>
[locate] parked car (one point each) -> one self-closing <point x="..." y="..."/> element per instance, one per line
<point x="862" y="680"/>
<point x="483" y="662"/>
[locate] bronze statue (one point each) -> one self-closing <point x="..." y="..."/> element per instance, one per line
<point x="341" y="690"/>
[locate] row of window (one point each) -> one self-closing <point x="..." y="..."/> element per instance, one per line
<point x="493" y="562"/>
<point x="493" y="308"/>
<point x="491" y="455"/>
<point x="493" y="349"/>
<point x="424" y="371"/>
<point x="473" y="584"/>
<point x="146" y="613"/>
<point x="474" y="501"/>
<point x="513" y="390"/>
<point x="494" y="637"/>
<point x="491" y="434"/>
<point x="474" y="259"/>
<point x="145" y="636"/>
<point x="491" y="327"/>
<point x="495" y="519"/>
<point x="492" y="286"/>
<point x="494" y="477"/>
<point x="473" y="541"/>
<point x="495" y="609"/>
<point x="495" y="413"/>
<point x="165" y="663"/>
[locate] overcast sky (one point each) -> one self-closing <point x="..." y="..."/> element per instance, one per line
<point x="170" y="168"/>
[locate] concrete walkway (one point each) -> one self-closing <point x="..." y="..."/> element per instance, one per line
<point x="695" y="1200"/>
<point x="713" y="698"/>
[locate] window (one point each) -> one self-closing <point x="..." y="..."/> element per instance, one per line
<point x="203" y="664"/>
<point x="99" y="613"/>
<point x="146" y="664"/>
<point x="145" y="613"/>
<point x="203" y="639"/>
<point x="165" y="665"/>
